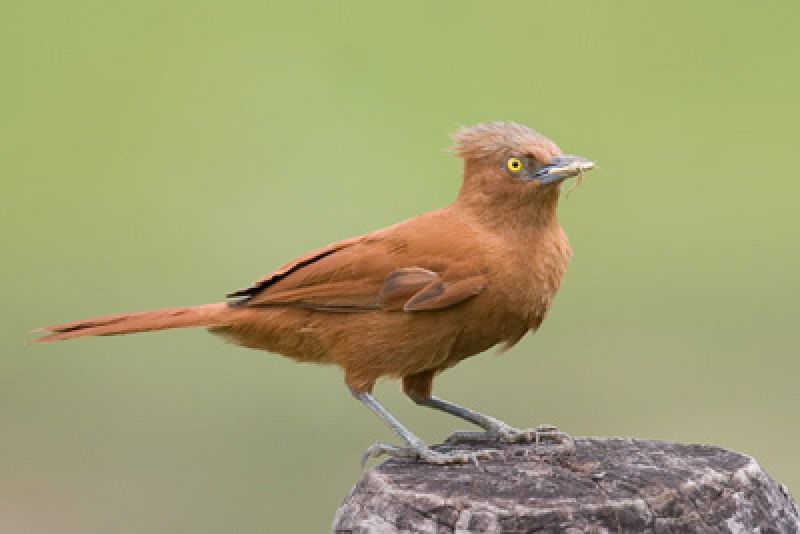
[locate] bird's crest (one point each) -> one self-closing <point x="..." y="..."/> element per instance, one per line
<point x="498" y="139"/>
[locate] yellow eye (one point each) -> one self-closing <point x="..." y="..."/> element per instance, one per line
<point x="514" y="164"/>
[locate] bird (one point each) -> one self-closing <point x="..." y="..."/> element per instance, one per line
<point x="411" y="300"/>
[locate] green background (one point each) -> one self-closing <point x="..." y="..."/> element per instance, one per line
<point x="163" y="153"/>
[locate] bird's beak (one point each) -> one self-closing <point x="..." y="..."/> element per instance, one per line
<point x="563" y="167"/>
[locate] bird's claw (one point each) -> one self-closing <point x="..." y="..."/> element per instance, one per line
<point x="546" y="432"/>
<point x="502" y="433"/>
<point x="424" y="454"/>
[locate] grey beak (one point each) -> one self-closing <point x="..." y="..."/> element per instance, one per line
<point x="563" y="167"/>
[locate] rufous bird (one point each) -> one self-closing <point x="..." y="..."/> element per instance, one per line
<point x="413" y="299"/>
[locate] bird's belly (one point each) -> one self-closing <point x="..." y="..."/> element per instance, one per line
<point x="480" y="335"/>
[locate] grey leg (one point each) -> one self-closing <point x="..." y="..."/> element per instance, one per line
<point x="415" y="447"/>
<point x="495" y="430"/>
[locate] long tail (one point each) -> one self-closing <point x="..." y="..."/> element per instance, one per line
<point x="129" y="323"/>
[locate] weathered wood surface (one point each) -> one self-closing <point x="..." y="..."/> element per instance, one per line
<point x="599" y="485"/>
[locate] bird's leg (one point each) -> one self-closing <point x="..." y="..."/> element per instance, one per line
<point x="415" y="447"/>
<point x="495" y="430"/>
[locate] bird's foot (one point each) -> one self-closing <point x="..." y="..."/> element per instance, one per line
<point x="500" y="432"/>
<point x="423" y="453"/>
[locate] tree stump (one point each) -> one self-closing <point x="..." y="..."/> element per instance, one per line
<point x="593" y="485"/>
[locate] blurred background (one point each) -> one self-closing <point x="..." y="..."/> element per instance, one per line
<point x="159" y="154"/>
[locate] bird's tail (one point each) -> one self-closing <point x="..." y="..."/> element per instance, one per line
<point x="208" y="315"/>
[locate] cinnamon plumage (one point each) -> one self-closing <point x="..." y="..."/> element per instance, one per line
<point x="414" y="299"/>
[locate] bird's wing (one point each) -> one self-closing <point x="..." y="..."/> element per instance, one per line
<point x="367" y="273"/>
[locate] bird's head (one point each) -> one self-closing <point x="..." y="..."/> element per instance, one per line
<point x="509" y="166"/>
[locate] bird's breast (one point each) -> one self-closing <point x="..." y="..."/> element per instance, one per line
<point x="527" y="284"/>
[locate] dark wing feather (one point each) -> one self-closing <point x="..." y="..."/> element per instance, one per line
<point x="440" y="294"/>
<point x="249" y="292"/>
